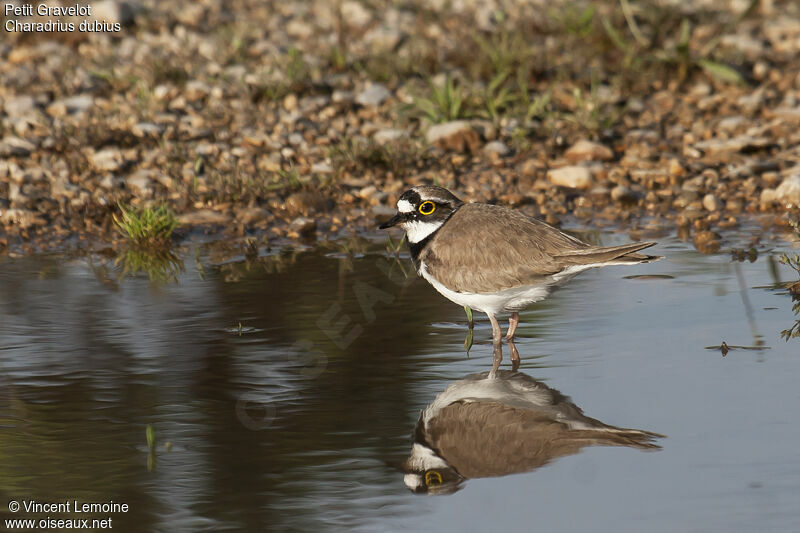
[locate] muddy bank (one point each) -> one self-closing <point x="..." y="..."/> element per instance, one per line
<point x="303" y="122"/>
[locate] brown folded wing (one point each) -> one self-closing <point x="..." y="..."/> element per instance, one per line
<point x="485" y="248"/>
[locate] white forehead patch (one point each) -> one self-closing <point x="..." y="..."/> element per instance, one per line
<point x="404" y="206"/>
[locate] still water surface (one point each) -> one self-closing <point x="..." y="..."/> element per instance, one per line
<point x="284" y="391"/>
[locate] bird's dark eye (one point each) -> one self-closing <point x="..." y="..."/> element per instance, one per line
<point x="426" y="208"/>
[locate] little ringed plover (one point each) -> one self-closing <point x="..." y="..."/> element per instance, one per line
<point x="493" y="259"/>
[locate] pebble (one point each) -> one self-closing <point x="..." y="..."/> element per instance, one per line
<point x="584" y="150"/>
<point x="290" y="102"/>
<point x="12" y="146"/>
<point x="108" y="160"/>
<point x="675" y="168"/>
<point x="70" y="106"/>
<point x="457" y="135"/>
<point x="322" y="168"/>
<point x="18" y="106"/>
<point x="574" y="176"/>
<point x="204" y="217"/>
<point x="710" y="203"/>
<point x="114" y="12"/>
<point x="388" y="135"/>
<point x="23" y="218"/>
<point x="734" y="144"/>
<point x="355" y="14"/>
<point x="145" y="129"/>
<point x="623" y="194"/>
<point x="342" y="97"/>
<point x="707" y="242"/>
<point x="252" y="215"/>
<point x="498" y="148"/>
<point x="530" y="167"/>
<point x="787" y="193"/>
<point x="140" y="184"/>
<point x="373" y="95"/>
<point x="305" y="203"/>
<point x="303" y="226"/>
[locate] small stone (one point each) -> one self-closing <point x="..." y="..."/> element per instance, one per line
<point x="732" y="124"/>
<point x="574" y="176"/>
<point x="787" y="193"/>
<point x="457" y="135"/>
<point x="113" y="11"/>
<point x="321" y="168"/>
<point x="61" y="187"/>
<point x="751" y="102"/>
<point x="12" y="146"/>
<point x="707" y="242"/>
<point x="305" y="203"/>
<point x="303" y="226"/>
<point x="388" y="135"/>
<point x="530" y="167"/>
<point x="203" y="217"/>
<point x="710" y="202"/>
<point x="19" y="106"/>
<point x="107" y="160"/>
<point x="21" y="217"/>
<point x="140" y="184"/>
<point x="734" y="205"/>
<point x="290" y="102"/>
<point x="342" y="97"/>
<point x="367" y="192"/>
<point x="623" y="194"/>
<point x="252" y="215"/>
<point x="693" y="213"/>
<point x="299" y="29"/>
<point x="497" y="148"/>
<point x="382" y="38"/>
<point x="584" y="150"/>
<point x="760" y="70"/>
<point x="734" y="144"/>
<point x="196" y="90"/>
<point x="110" y="181"/>
<point x="75" y="104"/>
<point x="373" y="95"/>
<point x="147" y="129"/>
<point x="355" y="14"/>
<point x="675" y="168"/>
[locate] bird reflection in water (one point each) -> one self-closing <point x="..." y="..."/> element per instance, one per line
<point x="482" y="427"/>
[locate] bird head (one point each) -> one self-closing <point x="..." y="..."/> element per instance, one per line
<point x="422" y="210"/>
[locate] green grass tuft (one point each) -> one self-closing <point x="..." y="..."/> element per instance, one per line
<point x="443" y="103"/>
<point x="146" y="226"/>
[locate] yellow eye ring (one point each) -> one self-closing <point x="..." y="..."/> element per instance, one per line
<point x="427" y="207"/>
<point x="432" y="477"/>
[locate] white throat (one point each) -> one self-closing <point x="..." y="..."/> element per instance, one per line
<point x="417" y="231"/>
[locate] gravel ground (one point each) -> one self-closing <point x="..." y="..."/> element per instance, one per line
<point x="276" y="122"/>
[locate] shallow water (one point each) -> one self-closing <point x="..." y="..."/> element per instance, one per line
<point x="283" y="391"/>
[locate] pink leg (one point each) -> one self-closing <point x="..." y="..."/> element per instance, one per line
<point x="497" y="342"/>
<point x="513" y="322"/>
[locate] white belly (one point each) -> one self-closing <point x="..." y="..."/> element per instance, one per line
<point x="507" y="300"/>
